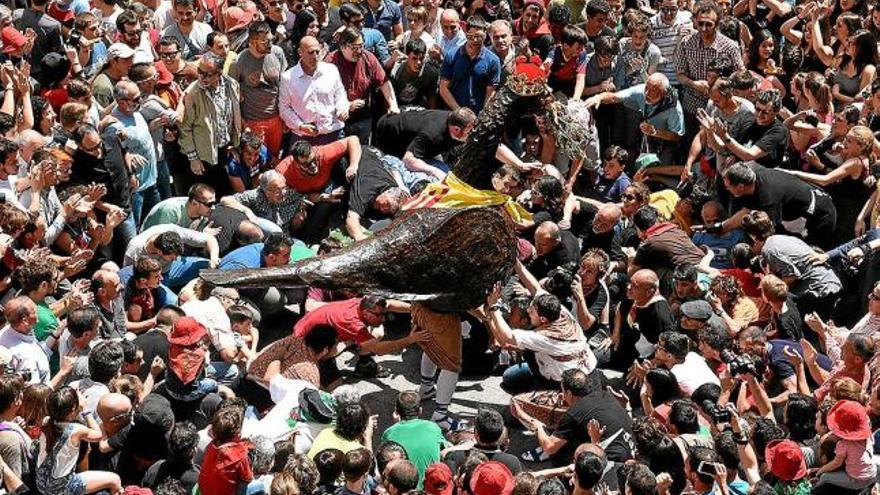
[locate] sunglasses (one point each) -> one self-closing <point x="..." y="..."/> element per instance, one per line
<point x="706" y="24"/>
<point x="168" y="54"/>
<point x="209" y="204"/>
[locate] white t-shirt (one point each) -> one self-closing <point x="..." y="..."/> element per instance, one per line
<point x="28" y="355"/>
<point x="138" y="245"/>
<point x="692" y="373"/>
<point x="212" y="315"/>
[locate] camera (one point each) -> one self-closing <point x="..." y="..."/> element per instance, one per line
<point x="719" y="414"/>
<point x="559" y="280"/>
<point x="75" y="39"/>
<point x="739" y="364"/>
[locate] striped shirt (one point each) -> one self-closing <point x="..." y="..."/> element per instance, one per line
<point x="692" y="59"/>
<point x="666" y="37"/>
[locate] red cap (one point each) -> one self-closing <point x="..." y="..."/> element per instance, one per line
<point x="785" y="460"/>
<point x="165" y="75"/>
<point x="12" y="39"/>
<point x="438" y="479"/>
<point x="187" y="331"/>
<point x="238" y="17"/>
<point x="492" y="478"/>
<point x="849" y="420"/>
<point x="61" y="15"/>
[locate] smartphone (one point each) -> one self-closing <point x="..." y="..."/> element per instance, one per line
<point x="708" y="468"/>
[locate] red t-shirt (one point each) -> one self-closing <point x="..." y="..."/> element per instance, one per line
<point x="327" y="156"/>
<point x="341" y="315"/>
<point x="224" y="467"/>
<point x="359" y="78"/>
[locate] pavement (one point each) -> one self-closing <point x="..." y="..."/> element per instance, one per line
<point x="380" y="395"/>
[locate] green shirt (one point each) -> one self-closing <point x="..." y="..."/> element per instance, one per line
<point x="47" y="322"/>
<point x="172" y="210"/>
<point x="422" y="441"/>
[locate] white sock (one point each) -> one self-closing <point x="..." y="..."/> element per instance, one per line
<point x="428" y="371"/>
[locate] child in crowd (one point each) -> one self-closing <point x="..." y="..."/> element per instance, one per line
<point x="140" y="296"/>
<point x="226" y="466"/>
<point x="247" y="337"/>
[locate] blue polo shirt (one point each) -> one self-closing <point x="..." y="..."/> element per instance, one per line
<point x="375" y="43"/>
<point x="384" y="18"/>
<point x="468" y="78"/>
<point x="250" y="256"/>
<point x="671" y="119"/>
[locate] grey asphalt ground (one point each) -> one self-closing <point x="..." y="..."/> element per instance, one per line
<point x="380" y="395"/>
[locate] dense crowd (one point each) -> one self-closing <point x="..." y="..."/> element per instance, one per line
<point x="694" y="305"/>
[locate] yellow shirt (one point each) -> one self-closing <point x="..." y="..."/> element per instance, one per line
<point x="328" y="439"/>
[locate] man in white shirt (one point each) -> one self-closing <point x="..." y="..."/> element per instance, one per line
<point x="29" y="358"/>
<point x="312" y="100"/>
<point x="689" y="368"/>
<point x="164" y="243"/>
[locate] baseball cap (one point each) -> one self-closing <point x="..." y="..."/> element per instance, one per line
<point x="492" y="478"/>
<point x="120" y="50"/>
<point x="12" y="39"/>
<point x="438" y="479"/>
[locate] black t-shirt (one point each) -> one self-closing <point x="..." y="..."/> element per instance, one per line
<point x="186" y="472"/>
<point x="789" y="325"/>
<point x="783" y="196"/>
<point x="422" y="132"/>
<point x="652" y="320"/>
<point x="773" y="139"/>
<point x="371" y="180"/>
<point x="153" y="343"/>
<point x="567" y="251"/>
<point x="605" y="409"/>
<point x="228" y="220"/>
<point x="415" y="89"/>
<point x="457" y="458"/>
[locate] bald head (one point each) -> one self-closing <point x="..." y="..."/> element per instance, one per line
<point x="449" y="15"/>
<point x="113" y="410"/>
<point x="609" y="213"/>
<point x="546" y="238"/>
<point x="308" y="42"/>
<point x="21" y="313"/>
<point x="645" y="278"/>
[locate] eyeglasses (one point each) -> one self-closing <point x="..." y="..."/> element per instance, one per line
<point x="154" y="77"/>
<point x="706" y="24"/>
<point x="206" y="74"/>
<point x="448" y="27"/>
<point x="168" y="54"/>
<point x="355" y="47"/>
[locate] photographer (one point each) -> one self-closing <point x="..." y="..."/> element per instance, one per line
<point x="781" y="378"/>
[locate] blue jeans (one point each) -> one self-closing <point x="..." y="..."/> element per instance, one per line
<point x="163" y="180"/>
<point x="142" y="202"/>
<point x="225" y="373"/>
<point x="268" y="226"/>
<point x="518" y="378"/>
